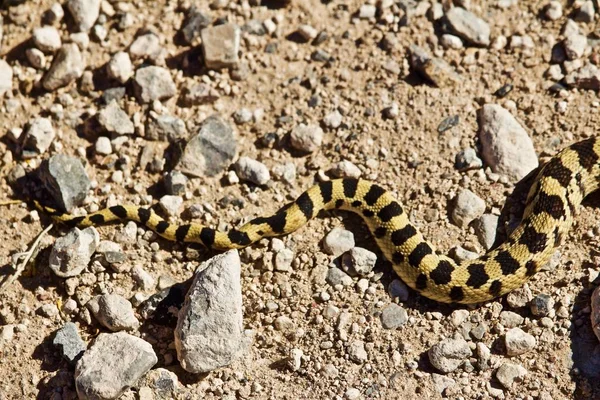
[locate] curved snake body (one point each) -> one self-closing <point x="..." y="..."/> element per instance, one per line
<point x="552" y="202"/>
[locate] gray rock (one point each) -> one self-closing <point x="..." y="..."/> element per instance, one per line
<point x="72" y="253"/>
<point x="114" y="120"/>
<point x="586" y="77"/>
<point x="66" y="180"/>
<point x="112" y="364"/>
<point x="69" y="343"/>
<point x="483" y="356"/>
<point x="47" y="39"/>
<point x="146" y="45"/>
<point x="510" y="319"/>
<point x="306" y="138"/>
<point x="346" y="169"/>
<point x="595" y="314"/>
<point x="283" y="260"/>
<point x="242" y="116"/>
<point x="575" y="46"/>
<point x="485" y="229"/>
<point x="66" y="67"/>
<point x="220" y="46"/>
<point x="209" y="331"/>
<point x="165" y="128"/>
<point x="451" y="42"/>
<point x="49" y="310"/>
<point x="84" y="12"/>
<point x="468" y="207"/>
<point x="36" y="58"/>
<point x="507" y="148"/>
<point x="356" y="351"/>
<point x="171" y="205"/>
<point x="144" y="280"/>
<point x="116" y="94"/>
<point x="586" y="12"/>
<point x="336" y="276"/>
<point x="54" y="14"/>
<point x="6" y="75"/>
<point x="162" y="383"/>
<point x="210" y="151"/>
<point x="153" y="83"/>
<point x="449" y="354"/>
<point x="508" y="374"/>
<point x="518" y="342"/>
<point x="175" y="183"/>
<point x="199" y="94"/>
<point x="333" y="119"/>
<point x="358" y="261"/>
<point x="542" y="305"/>
<point x="467" y="159"/>
<point x="120" y="67"/>
<point x="468" y="26"/>
<point x="114" y="312"/>
<point x="195" y="22"/>
<point x="436" y="70"/>
<point x="393" y="316"/>
<point x="338" y="241"/>
<point x="519" y="297"/>
<point x="252" y="171"/>
<point x="398" y="289"/>
<point x="441" y="382"/>
<point x="554" y="10"/>
<point x="38" y="137"/>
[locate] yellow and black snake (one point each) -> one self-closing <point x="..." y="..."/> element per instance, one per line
<point x="553" y="199"/>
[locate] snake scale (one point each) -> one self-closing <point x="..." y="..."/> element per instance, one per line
<point x="553" y="199"/>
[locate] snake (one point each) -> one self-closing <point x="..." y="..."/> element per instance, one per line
<point x="552" y="202"/>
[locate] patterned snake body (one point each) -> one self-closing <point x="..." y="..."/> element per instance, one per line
<point x="552" y="202"/>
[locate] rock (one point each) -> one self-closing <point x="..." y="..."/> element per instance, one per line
<point x="66" y="180"/>
<point x="358" y="261"/>
<point x="103" y="146"/>
<point x="467" y="159"/>
<point x="66" y="67"/>
<point x="242" y="116"/>
<point x="519" y="297"/>
<point x="346" y="169"/>
<point x="120" y="67"/>
<point x="71" y="254"/>
<point x="114" y="312"/>
<point x="165" y="128"/>
<point x="483" y="356"/>
<point x="338" y="241"/>
<point x="451" y="42"/>
<point x="518" y="342"/>
<point x="84" y="12"/>
<point x="210" y="151"/>
<point x="459" y="317"/>
<point x="393" y="316"/>
<point x="54" y="14"/>
<point x="38" y="137"/>
<point x="306" y="138"/>
<point x="333" y="120"/>
<point x="506" y="146"/>
<point x="485" y="229"/>
<point x="510" y="319"/>
<point x="171" y="205"/>
<point x="175" y="183"/>
<point x="307" y="32"/>
<point x="146" y="45"/>
<point x="352" y="393"/>
<point x="153" y="83"/>
<point x="468" y="26"/>
<point x="36" y="58"/>
<point x="47" y="39"/>
<point x="575" y="46"/>
<point x="116" y="94"/>
<point x="595" y="314"/>
<point x="252" y="171"/>
<point x="554" y="10"/>
<point x="195" y="22"/>
<point x="114" y="120"/>
<point x="586" y="77"/>
<point x="69" y="343"/>
<point x="356" y="351"/>
<point x="586" y="12"/>
<point x="284" y="324"/>
<point x="449" y="354"/>
<point x="199" y="94"/>
<point x="441" y="382"/>
<point x="398" y="289"/>
<point x="468" y="207"/>
<point x="144" y="280"/>
<point x="6" y="75"/>
<point x="508" y="374"/>
<point x="162" y="383"/>
<point x="336" y="276"/>
<point x="209" y="331"/>
<point x="542" y="305"/>
<point x="436" y="70"/>
<point x="220" y="46"/>
<point x="49" y="310"/>
<point x="112" y="364"/>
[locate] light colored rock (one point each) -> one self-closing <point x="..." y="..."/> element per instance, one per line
<point x="36" y="58"/>
<point x="6" y="75"/>
<point x="346" y="169"/>
<point x="145" y="46"/>
<point x="165" y="127"/>
<point x="84" y="12"/>
<point x="358" y="261"/>
<point x="307" y="32"/>
<point x="586" y="12"/>
<point x="449" y="354"/>
<point x="510" y="319"/>
<point x="435" y="69"/>
<point x="508" y="374"/>
<point x="306" y="138"/>
<point x="69" y="343"/>
<point x="333" y="119"/>
<point x="586" y="77"/>
<point x="120" y="67"/>
<point x="171" y="205"/>
<point x="468" y="26"/>
<point x="554" y="10"/>
<point x="153" y="83"/>
<point x="356" y="351"/>
<point x="209" y="331"/>
<point x="575" y="46"/>
<point x="64" y="177"/>
<point x="114" y="312"/>
<point x="338" y="241"/>
<point x="71" y="254"/>
<point x="220" y="46"/>
<point x="518" y="342"/>
<point x="451" y="42"/>
<point x="485" y="229"/>
<point x="506" y="146"/>
<point x="252" y="170"/>
<point x="114" y="120"/>
<point x="67" y="66"/>
<point x="467" y="207"/>
<point x="47" y="39"/>
<point x="38" y="137"/>
<point x="441" y="382"/>
<point x="393" y="316"/>
<point x="112" y="364"/>
<point x="103" y="146"/>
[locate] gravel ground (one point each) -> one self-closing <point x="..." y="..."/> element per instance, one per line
<point x="219" y="111"/>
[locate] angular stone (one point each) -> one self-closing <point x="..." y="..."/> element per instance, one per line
<point x="220" y="46"/>
<point x="47" y="39"/>
<point x="468" y="26"/>
<point x="84" y="12"/>
<point x="6" y="75"/>
<point x="120" y="67"/>
<point x="114" y="120"/>
<point x="72" y="253"/>
<point x="307" y="138"/>
<point x="38" y="138"/>
<point x="518" y="342"/>
<point x="449" y="354"/>
<point x="436" y="70"/>
<point x="66" y="67"/>
<point x="68" y="341"/>
<point x="114" y="312"/>
<point x="112" y="364"/>
<point x="66" y="180"/>
<point x="195" y="22"/>
<point x="153" y="83"/>
<point x="165" y="128"/>
<point x="209" y="331"/>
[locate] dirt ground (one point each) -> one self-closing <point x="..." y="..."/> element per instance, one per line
<point x="404" y="153"/>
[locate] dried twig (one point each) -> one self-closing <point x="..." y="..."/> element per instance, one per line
<point x="20" y="260"/>
<point x="9" y="202"/>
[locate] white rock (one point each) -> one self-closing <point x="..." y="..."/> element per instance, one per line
<point x="307" y="32"/>
<point x="67" y="66"/>
<point x="451" y="42"/>
<point x="6" y="75"/>
<point x="103" y="146"/>
<point x="508" y="374"/>
<point x="506" y="146"/>
<point x="47" y="39"/>
<point x="307" y="138"/>
<point x="220" y="46"/>
<point x="575" y="46"/>
<point x="449" y="354"/>
<point x="485" y="229"/>
<point x="114" y="312"/>
<point x="252" y="170"/>
<point x="553" y="10"/>
<point x="518" y="342"/>
<point x="84" y="12"/>
<point x="338" y="241"/>
<point x="145" y="46"/>
<point x="468" y="26"/>
<point x="120" y="67"/>
<point x="346" y="169"/>
<point x="36" y="58"/>
<point x="333" y="119"/>
<point x="171" y="204"/>
<point x="468" y="207"/>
